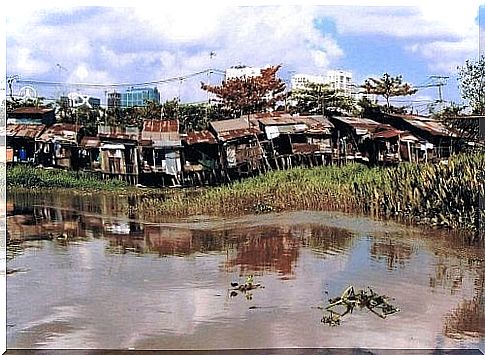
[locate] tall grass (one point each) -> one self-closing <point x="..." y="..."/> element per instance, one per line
<point x="437" y="194"/>
<point x="30" y="177"/>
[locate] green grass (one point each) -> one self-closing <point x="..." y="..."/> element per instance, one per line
<point x="433" y="194"/>
<point x="23" y="176"/>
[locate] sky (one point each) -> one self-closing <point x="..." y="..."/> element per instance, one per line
<point x="122" y="44"/>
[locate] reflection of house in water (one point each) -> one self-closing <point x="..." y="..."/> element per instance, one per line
<point x="43" y="222"/>
<point x="393" y="254"/>
<point x="266" y="249"/>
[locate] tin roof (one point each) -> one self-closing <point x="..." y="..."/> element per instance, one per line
<point x="362" y="125"/>
<point x="302" y="148"/>
<point x="90" y="142"/>
<point x="31" y="110"/>
<point x="161" y="132"/>
<point x="24" y="130"/>
<point x="233" y="128"/>
<point x="200" y="137"/>
<point x="387" y="133"/>
<point x="118" y="132"/>
<point x="427" y="124"/>
<point x="316" y="124"/>
<point x="59" y="132"/>
<point x="160" y="126"/>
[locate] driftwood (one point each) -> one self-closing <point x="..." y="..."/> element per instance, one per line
<point x="350" y="299"/>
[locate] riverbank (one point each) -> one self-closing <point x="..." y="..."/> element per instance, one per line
<point x="442" y="195"/>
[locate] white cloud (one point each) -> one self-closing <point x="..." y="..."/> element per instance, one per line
<point x="148" y="43"/>
<point x="445" y="56"/>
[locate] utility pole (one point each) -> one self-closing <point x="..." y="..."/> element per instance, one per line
<point x="439" y="81"/>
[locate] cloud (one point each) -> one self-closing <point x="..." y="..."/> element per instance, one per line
<point x="142" y="44"/>
<point x="139" y="44"/>
<point x="445" y="56"/>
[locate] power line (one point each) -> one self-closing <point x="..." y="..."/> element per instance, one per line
<point x="113" y="85"/>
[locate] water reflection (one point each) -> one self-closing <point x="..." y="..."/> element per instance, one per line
<point x="179" y="275"/>
<point x="392" y="253"/>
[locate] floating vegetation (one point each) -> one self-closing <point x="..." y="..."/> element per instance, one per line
<point x="245" y="288"/>
<point x="361" y="299"/>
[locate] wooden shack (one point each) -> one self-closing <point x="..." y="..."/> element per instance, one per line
<point x="119" y="152"/>
<point x="201" y="157"/>
<point x="161" y="148"/>
<point x="31" y="115"/>
<point x="89" y="154"/>
<point x="21" y="142"/>
<point x="58" y="146"/>
<point x="436" y="141"/>
<point x="239" y="148"/>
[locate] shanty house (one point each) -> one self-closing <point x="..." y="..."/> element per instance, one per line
<point x="351" y="134"/>
<point x="89" y="153"/>
<point x="436" y="141"/>
<point x="239" y="147"/>
<point x="58" y="146"/>
<point x="31" y="115"/>
<point x="161" y="147"/>
<point x="388" y="145"/>
<point x="118" y="152"/>
<point x="201" y="156"/>
<point x="21" y="142"/>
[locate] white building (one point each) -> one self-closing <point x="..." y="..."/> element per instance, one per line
<point x="242" y="71"/>
<point x="340" y="80"/>
<point x="299" y="81"/>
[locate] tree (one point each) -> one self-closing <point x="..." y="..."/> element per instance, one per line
<point x="471" y="78"/>
<point x="465" y="126"/>
<point x="318" y="98"/>
<point x="387" y="87"/>
<point x="250" y="94"/>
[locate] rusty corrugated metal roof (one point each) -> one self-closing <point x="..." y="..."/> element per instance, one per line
<point x="31" y="110"/>
<point x="90" y="142"/>
<point x="428" y="124"/>
<point x="161" y="132"/>
<point x="61" y="132"/>
<point x="118" y="132"/>
<point x="160" y="126"/>
<point x="24" y="130"/>
<point x="233" y="128"/>
<point x="200" y="137"/>
<point x="387" y="133"/>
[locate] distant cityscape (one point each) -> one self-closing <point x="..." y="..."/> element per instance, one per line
<point x="336" y="79"/>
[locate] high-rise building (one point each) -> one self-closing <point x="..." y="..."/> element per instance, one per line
<point x="135" y="97"/>
<point x="340" y="80"/>
<point x="299" y="81"/>
<point x="114" y="100"/>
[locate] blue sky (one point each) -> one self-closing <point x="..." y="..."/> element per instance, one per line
<point x="132" y="45"/>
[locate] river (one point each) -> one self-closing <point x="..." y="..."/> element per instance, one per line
<point x="111" y="280"/>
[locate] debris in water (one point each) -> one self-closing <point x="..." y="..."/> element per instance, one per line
<point x="350" y="299"/>
<point x="245" y="287"/>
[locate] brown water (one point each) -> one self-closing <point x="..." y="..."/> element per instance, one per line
<point x="112" y="281"/>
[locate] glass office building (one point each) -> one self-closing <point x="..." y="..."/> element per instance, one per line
<point x="139" y="96"/>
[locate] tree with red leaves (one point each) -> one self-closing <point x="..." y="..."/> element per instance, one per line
<point x="250" y="94"/>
